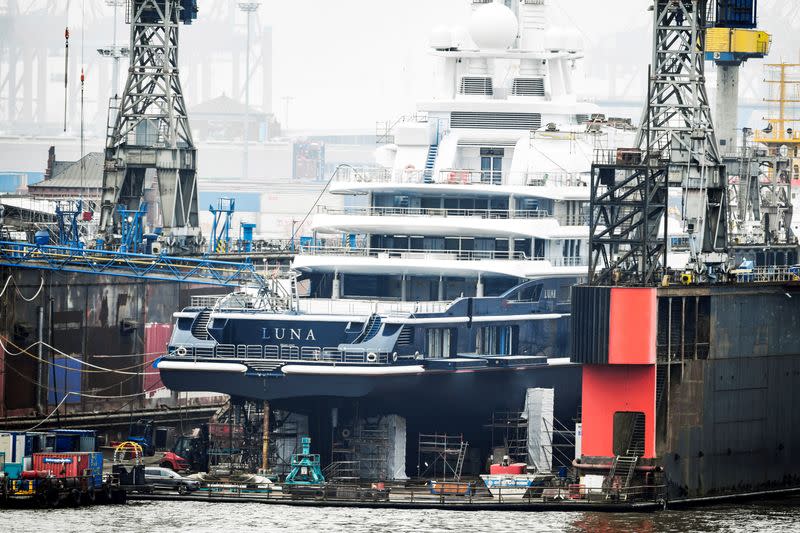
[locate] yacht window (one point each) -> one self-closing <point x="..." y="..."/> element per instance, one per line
<point x="498" y="203"/>
<point x="530" y="294"/>
<point x="433" y="243"/>
<point x="492" y="165"/>
<point x="484" y="247"/>
<point x="538" y="248"/>
<point x="496" y="340"/>
<point x="400" y="242"/>
<point x="439" y="342"/>
<point x="522" y="246"/>
<point x="430" y="203"/>
<point x="564" y="293"/>
<point x="401" y="201"/>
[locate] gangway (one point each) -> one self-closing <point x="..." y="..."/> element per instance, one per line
<point x="132" y="265"/>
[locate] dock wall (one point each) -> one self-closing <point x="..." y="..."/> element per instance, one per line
<point x="732" y="422"/>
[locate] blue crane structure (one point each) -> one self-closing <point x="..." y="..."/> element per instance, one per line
<point x="220" y="241"/>
<point x="131" y="265"/>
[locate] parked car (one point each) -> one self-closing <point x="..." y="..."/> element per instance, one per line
<point x="164" y="478"/>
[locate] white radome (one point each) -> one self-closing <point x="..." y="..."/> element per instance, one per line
<point x="493" y="27"/>
<point x="555" y="38"/>
<point x="441" y="38"/>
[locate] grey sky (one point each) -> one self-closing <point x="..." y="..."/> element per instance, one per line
<point x="349" y="63"/>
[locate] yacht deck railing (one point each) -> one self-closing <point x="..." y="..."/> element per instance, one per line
<point x="457" y="255"/>
<point x="456" y="176"/>
<point x="283" y="352"/>
<point x="368" y="307"/>
<point x="436" y="212"/>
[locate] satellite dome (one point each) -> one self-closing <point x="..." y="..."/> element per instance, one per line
<point x="441" y="38"/>
<point x="493" y="27"/>
<point x="573" y="40"/>
<point x="555" y="38"/>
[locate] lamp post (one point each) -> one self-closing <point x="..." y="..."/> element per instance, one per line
<point x="114" y="51"/>
<point x="249" y="8"/>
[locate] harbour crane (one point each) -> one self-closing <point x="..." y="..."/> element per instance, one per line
<point x="676" y="147"/>
<point x="148" y="128"/>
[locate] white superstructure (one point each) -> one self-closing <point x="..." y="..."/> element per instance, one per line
<point x="485" y="185"/>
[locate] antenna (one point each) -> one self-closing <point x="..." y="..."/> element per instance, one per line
<point x="66" y="67"/>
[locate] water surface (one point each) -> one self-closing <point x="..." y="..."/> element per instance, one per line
<point x="753" y="517"/>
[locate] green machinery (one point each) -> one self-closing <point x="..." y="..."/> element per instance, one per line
<point x="305" y="467"/>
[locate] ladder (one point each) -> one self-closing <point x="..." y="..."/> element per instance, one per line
<point x="623" y="468"/>
<point x="462" y="453"/>
<point x="429" y="162"/>
<point x="636" y="444"/>
<point x="661" y="381"/>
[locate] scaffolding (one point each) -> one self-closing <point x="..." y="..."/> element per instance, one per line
<point x="360" y="452"/>
<point x="284" y="439"/>
<point x="440" y="456"/>
<point x="509" y="431"/>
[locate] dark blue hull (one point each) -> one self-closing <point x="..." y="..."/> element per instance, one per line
<point x="434" y="394"/>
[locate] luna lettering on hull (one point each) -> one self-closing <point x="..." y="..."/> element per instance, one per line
<point x="280" y="334"/>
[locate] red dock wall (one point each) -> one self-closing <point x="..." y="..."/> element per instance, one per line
<point x="610" y="389"/>
<point x="632" y="326"/>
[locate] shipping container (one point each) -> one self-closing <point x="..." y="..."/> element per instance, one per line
<point x="62" y="465"/>
<point x="74" y="440"/>
<point x="38" y="442"/>
<point x="96" y="467"/>
<point x="12" y="444"/>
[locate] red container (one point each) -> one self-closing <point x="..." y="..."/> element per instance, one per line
<point x="516" y="468"/>
<point x="70" y="464"/>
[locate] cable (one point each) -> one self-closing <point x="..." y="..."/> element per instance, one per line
<point x="100" y="369"/>
<point x="325" y="188"/>
<point x="68" y="393"/>
<point x="32" y="298"/>
<point x="110" y="356"/>
<point x="50" y="389"/>
<point x="45" y="419"/>
<point x="8" y="280"/>
<point x="19" y="292"/>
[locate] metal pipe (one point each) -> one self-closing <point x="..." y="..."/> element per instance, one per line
<point x="265" y="440"/>
<point x="607" y="466"/>
<point x="41" y="400"/>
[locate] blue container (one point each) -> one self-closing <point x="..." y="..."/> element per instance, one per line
<point x="96" y="465"/>
<point x="13" y="470"/>
<point x="41" y="238"/>
<point x="75" y="440"/>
